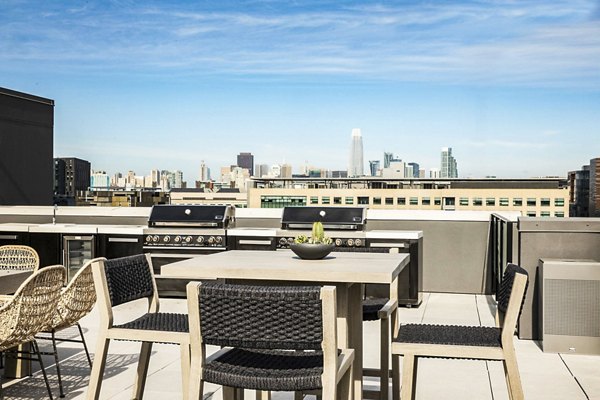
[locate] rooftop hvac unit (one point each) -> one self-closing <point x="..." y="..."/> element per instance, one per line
<point x="570" y="306"/>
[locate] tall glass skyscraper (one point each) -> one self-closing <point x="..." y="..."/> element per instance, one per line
<point x="356" y="167"/>
<point x="449" y="168"/>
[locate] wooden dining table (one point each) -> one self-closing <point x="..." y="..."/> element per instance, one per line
<point x="347" y="271"/>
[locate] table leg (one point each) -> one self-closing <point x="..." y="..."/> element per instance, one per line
<point x="16" y="368"/>
<point x="355" y="324"/>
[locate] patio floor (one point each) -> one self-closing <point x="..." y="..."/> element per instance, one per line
<point x="544" y="376"/>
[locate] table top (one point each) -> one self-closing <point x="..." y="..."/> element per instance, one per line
<point x="10" y="280"/>
<point x="286" y="266"/>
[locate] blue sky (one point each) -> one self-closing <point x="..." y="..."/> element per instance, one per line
<point x="512" y="86"/>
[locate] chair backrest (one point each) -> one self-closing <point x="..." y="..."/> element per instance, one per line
<point x="77" y="299"/>
<point x="129" y="278"/>
<point x="261" y="317"/>
<point x="511" y="294"/>
<point x="31" y="308"/>
<point x="18" y="257"/>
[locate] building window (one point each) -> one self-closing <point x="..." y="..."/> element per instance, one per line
<point x="477" y="201"/>
<point x="282" y="201"/>
<point x="314" y="200"/>
<point x="349" y="200"/>
<point x="559" y="202"/>
<point x="463" y="201"/>
<point x="363" y="200"/>
<point x="531" y="213"/>
<point x="545" y="213"/>
<point x="545" y="202"/>
<point x="389" y="201"/>
<point x="559" y="214"/>
<point x="531" y="202"/>
<point x="426" y="201"/>
<point x="337" y="200"/>
<point x="414" y="201"/>
<point x="518" y="202"/>
<point x="325" y="200"/>
<point x="377" y="200"/>
<point x="504" y="201"/>
<point x="401" y="201"/>
<point x="437" y="201"/>
<point x="490" y="201"/>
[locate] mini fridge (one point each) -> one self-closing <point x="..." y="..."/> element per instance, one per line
<point x="77" y="250"/>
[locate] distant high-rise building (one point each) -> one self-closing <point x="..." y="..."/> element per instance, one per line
<point x="374" y="167"/>
<point x="397" y="169"/>
<point x="204" y="172"/>
<point x="356" y="166"/>
<point x="71" y="175"/>
<point x="261" y="170"/>
<point x="154" y="178"/>
<point x="286" y="171"/>
<point x="449" y="168"/>
<point x="412" y="170"/>
<point x="99" y="180"/>
<point x="338" y="174"/>
<point x="434" y="173"/>
<point x="579" y="192"/>
<point x="387" y="159"/>
<point x="421" y="173"/>
<point x="594" y="187"/>
<point x="178" y="180"/>
<point x="246" y="160"/>
<point x="275" y="171"/>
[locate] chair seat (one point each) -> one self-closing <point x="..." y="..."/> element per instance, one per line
<point x="371" y="307"/>
<point x="167" y="322"/>
<point x="275" y="370"/>
<point x="450" y="335"/>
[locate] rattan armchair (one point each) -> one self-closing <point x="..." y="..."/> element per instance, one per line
<point x="19" y="257"/>
<point x="76" y="301"/>
<point x="123" y="280"/>
<point x="29" y="310"/>
<point x="278" y="338"/>
<point x="468" y="342"/>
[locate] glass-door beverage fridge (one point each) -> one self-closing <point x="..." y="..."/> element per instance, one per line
<point x="77" y="250"/>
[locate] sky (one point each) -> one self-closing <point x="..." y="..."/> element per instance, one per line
<point x="512" y="86"/>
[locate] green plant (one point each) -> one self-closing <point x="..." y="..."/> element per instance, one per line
<point x="317" y="235"/>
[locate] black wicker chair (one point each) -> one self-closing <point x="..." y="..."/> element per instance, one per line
<point x="468" y="342"/>
<point x="278" y="338"/>
<point x="120" y="281"/>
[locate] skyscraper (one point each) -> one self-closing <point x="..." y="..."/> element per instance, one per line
<point x="204" y="172"/>
<point x="374" y="167"/>
<point x="414" y="170"/>
<point x="387" y="158"/>
<point x="246" y="160"/>
<point x="356" y="167"/>
<point x="449" y="168"/>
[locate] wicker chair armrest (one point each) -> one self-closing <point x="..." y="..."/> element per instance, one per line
<point x="388" y="309"/>
<point x="345" y="360"/>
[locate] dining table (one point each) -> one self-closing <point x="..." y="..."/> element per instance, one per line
<point x="347" y="271"/>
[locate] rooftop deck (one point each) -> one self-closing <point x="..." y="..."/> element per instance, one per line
<point x="544" y="375"/>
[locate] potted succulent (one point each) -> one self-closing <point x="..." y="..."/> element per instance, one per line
<point x="316" y="246"/>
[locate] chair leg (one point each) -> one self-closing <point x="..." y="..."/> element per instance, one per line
<point x="395" y="377"/>
<point x="36" y="349"/>
<point x="87" y="353"/>
<point x="513" y="379"/>
<point x="95" y="383"/>
<point x="263" y="395"/>
<point x="56" y="360"/>
<point x="409" y="373"/>
<point x="195" y="383"/>
<point x="142" y="371"/>
<point x="346" y="385"/>
<point x="384" y="363"/>
<point x="231" y="393"/>
<point x="185" y="369"/>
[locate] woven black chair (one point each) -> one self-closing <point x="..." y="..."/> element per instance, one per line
<point x="122" y="280"/>
<point x="278" y="338"/>
<point x="468" y="342"/>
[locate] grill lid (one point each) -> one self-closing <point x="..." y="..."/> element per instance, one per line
<point x="191" y="215"/>
<point x="346" y="218"/>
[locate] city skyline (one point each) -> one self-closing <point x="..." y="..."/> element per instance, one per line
<point x="512" y="87"/>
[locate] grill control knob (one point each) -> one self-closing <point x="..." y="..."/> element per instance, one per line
<point x="283" y="241"/>
<point x="177" y="239"/>
<point x="219" y="239"/>
<point x="187" y="239"/>
<point x="211" y="240"/>
<point x="148" y="238"/>
<point x="167" y="239"/>
<point x="290" y="240"/>
<point x="338" y="242"/>
<point x="200" y="239"/>
<point x="350" y="242"/>
<point x="358" y="242"/>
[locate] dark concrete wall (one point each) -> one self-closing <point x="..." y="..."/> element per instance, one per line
<point x="26" y="146"/>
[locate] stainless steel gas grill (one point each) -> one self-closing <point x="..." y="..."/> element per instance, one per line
<point x="178" y="232"/>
